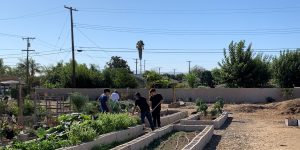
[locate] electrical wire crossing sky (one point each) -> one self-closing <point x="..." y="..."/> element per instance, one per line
<point x="173" y="32"/>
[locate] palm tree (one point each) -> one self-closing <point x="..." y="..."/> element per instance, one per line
<point x="140" y="47"/>
<point x="33" y="69"/>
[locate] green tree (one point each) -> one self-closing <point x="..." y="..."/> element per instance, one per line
<point x="286" y="69"/>
<point x="240" y="68"/>
<point x="152" y="78"/>
<point x="123" y="79"/>
<point x="3" y="68"/>
<point x="207" y="79"/>
<point x="117" y="62"/>
<point x="198" y="70"/>
<point x="34" y="68"/>
<point x="216" y="74"/>
<point x="192" y="79"/>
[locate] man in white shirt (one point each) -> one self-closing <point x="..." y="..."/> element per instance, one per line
<point x="115" y="96"/>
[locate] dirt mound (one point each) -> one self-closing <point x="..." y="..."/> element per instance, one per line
<point x="247" y="108"/>
<point x="289" y="107"/>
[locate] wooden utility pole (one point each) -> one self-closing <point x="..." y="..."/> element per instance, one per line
<point x="73" y="47"/>
<point x="27" y="61"/>
<point x="136" y="64"/>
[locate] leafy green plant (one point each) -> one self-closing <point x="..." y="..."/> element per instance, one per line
<point x="114" y="106"/>
<point x="91" y="108"/>
<point x="218" y="106"/>
<point x="78" y="101"/>
<point x="81" y="133"/>
<point x="202" y="107"/>
<point x="214" y="112"/>
<point x="28" y="107"/>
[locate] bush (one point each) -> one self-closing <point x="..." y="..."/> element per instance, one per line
<point x="28" y="107"/>
<point x="78" y="101"/>
<point x="214" y="112"/>
<point x="218" y="106"/>
<point x="91" y="108"/>
<point x="12" y="108"/>
<point x="202" y="107"/>
<point x="270" y="100"/>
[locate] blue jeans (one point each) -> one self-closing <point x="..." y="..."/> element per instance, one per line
<point x="149" y="117"/>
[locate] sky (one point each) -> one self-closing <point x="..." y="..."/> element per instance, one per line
<point x="174" y="32"/>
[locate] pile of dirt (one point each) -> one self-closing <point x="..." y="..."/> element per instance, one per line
<point x="289" y="107"/>
<point x="246" y="108"/>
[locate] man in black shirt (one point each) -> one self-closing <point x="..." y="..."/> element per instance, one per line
<point x="156" y="100"/>
<point x="141" y="102"/>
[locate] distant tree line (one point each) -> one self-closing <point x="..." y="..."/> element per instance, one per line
<point x="240" y="67"/>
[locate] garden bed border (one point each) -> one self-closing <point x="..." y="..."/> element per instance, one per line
<point x="169" y="119"/>
<point x="108" y="138"/>
<point x="198" y="142"/>
<point x="193" y="120"/>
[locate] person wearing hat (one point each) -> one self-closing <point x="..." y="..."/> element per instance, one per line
<point x="142" y="103"/>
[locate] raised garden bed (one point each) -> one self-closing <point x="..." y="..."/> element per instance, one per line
<point x="109" y="138"/>
<point x="196" y="119"/>
<point x="79" y="131"/>
<point x="195" y="141"/>
<point x="169" y="116"/>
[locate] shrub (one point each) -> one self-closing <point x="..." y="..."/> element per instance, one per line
<point x="214" y="112"/>
<point x="91" y="108"/>
<point x="270" y="100"/>
<point x="28" y="107"/>
<point x="202" y="107"/>
<point x="218" y="106"/>
<point x="78" y="101"/>
<point x="114" y="106"/>
<point x="12" y="108"/>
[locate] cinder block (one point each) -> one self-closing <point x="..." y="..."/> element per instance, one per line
<point x="291" y="122"/>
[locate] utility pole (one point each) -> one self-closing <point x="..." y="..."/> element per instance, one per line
<point x="189" y="65"/>
<point x="27" y="60"/>
<point x="136" y="64"/>
<point x="144" y="65"/>
<point x="73" y="47"/>
<point x="174" y="72"/>
<point x="159" y="70"/>
<point x="140" y="67"/>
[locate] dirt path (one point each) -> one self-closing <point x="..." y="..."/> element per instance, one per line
<point x="262" y="129"/>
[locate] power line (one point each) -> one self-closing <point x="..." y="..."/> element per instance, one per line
<point x="198" y="11"/>
<point x="50" y="11"/>
<point x="190" y="32"/>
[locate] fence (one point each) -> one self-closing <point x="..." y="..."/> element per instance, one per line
<point x="230" y="95"/>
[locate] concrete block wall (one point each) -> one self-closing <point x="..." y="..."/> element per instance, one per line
<point x="199" y="142"/>
<point x="230" y="95"/>
<point x="168" y="119"/>
<point x="193" y="120"/>
<point x="196" y="144"/>
<point x="118" y="136"/>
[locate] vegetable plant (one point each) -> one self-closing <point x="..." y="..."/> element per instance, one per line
<point x="78" y="101"/>
<point x="202" y="107"/>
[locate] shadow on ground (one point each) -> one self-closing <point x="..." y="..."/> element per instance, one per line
<point x="214" y="142"/>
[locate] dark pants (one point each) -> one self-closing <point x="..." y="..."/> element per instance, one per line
<point x="149" y="117"/>
<point x="156" y="117"/>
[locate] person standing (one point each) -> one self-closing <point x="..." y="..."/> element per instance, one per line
<point x="141" y="102"/>
<point x="156" y="100"/>
<point x="115" y="96"/>
<point x="104" y="101"/>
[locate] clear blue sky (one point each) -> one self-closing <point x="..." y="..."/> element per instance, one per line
<point x="168" y="24"/>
